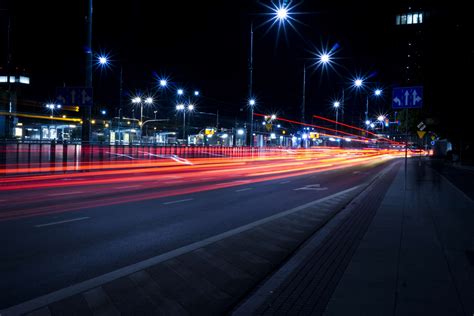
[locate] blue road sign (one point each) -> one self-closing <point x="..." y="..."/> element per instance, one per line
<point x="407" y="97"/>
<point x="80" y="96"/>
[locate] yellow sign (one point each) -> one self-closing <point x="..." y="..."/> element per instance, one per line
<point x="209" y="131"/>
<point x="268" y="126"/>
<point x="421" y="134"/>
<point x="313" y="135"/>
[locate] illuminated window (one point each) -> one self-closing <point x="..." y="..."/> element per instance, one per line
<point x="410" y="19"/>
<point x="415" y="18"/>
<point x="420" y="18"/>
<point x="397" y="19"/>
<point x="3" y="78"/>
<point x="404" y="19"/>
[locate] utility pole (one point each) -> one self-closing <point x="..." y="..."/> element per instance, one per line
<point x="250" y="134"/>
<point x="86" y="110"/>
<point x="303" y="100"/>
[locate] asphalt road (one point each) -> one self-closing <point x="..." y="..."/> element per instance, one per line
<point x="64" y="244"/>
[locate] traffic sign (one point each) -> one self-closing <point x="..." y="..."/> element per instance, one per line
<point x="80" y="96"/>
<point x="421" y="134"/>
<point x="421" y="126"/>
<point x="407" y="97"/>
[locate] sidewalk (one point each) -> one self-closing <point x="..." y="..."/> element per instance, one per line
<point x="416" y="257"/>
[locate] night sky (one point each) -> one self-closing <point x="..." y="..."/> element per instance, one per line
<point x="204" y="45"/>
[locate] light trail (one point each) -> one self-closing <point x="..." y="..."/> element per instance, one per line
<point x="140" y="180"/>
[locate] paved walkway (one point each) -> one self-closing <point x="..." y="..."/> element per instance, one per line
<point x="415" y="258"/>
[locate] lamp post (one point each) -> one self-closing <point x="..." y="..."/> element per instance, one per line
<point x="182" y="107"/>
<point x="252" y="105"/>
<point x="381" y="119"/>
<point x="280" y="15"/>
<point x="336" y="106"/>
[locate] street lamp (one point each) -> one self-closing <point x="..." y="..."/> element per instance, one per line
<point x="281" y="13"/>
<point x="336" y="106"/>
<point x="53" y="106"/>
<point x="163" y="83"/>
<point x="377" y="93"/>
<point x="182" y="107"/>
<point x="180" y="92"/>
<point x="381" y="119"/>
<point x="196" y="93"/>
<point x="252" y="103"/>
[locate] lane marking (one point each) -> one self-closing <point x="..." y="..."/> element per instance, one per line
<point x="83" y="286"/>
<point x="62" y="222"/>
<point x="246" y="189"/>
<point x="65" y="193"/>
<point x="285" y="182"/>
<point x="355" y="172"/>
<point x="177" y="201"/>
<point x="128" y="186"/>
<point x="119" y="155"/>
<point x="314" y="187"/>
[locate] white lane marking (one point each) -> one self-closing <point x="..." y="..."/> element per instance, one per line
<point x="119" y="155"/>
<point x="314" y="187"/>
<point x="285" y="182"/>
<point x="65" y="193"/>
<point x="177" y="201"/>
<point x="173" y="157"/>
<point x="62" y="222"/>
<point x="246" y="189"/>
<point x="83" y="286"/>
<point x="128" y="186"/>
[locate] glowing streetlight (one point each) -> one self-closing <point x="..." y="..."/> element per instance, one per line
<point x="180" y="91"/>
<point x="378" y="92"/>
<point x="282" y="13"/>
<point x="252" y="102"/>
<point x="324" y="58"/>
<point x="367" y="122"/>
<point x="380" y="118"/>
<point x="358" y="83"/>
<point x="273" y="117"/>
<point x="103" y="61"/>
<point x="149" y="100"/>
<point x="196" y="93"/>
<point x="163" y="83"/>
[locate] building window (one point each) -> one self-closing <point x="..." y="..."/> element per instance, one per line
<point x="409" y="18"/>
<point x="404" y="19"/>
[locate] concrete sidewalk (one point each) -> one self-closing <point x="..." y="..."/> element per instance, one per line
<point x="415" y="257"/>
